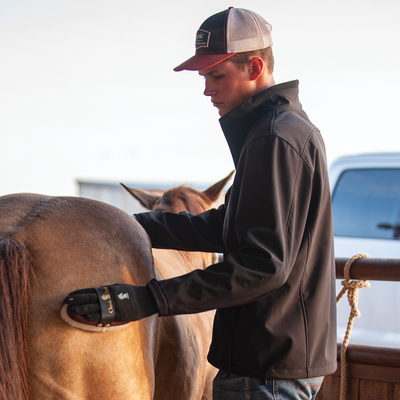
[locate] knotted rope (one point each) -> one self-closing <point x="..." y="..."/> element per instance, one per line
<point x="352" y="295"/>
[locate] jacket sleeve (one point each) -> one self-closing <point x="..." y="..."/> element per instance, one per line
<point x="185" y="231"/>
<point x="271" y="193"/>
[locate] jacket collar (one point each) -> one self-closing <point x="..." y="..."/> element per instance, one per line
<point x="238" y="122"/>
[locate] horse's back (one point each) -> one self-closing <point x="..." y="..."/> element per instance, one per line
<point x="76" y="229"/>
<point x="77" y="243"/>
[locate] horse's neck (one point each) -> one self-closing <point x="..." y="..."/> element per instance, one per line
<point x="171" y="263"/>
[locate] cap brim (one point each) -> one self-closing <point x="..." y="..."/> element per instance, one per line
<point x="202" y="61"/>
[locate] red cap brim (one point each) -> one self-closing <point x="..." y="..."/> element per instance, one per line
<point x="202" y="61"/>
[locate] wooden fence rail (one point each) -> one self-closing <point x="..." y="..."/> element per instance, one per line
<point x="373" y="373"/>
<point x="371" y="269"/>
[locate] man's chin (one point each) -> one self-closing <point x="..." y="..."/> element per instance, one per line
<point x="221" y="112"/>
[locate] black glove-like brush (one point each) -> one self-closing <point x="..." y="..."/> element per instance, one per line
<point x="119" y="303"/>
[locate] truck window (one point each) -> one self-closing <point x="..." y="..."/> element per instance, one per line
<point x="366" y="204"/>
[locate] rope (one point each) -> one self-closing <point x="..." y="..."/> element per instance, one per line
<point x="352" y="295"/>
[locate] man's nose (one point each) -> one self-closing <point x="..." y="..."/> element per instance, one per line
<point x="208" y="89"/>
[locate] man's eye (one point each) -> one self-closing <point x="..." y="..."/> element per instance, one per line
<point x="217" y="76"/>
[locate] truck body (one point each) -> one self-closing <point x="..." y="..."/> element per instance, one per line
<point x="366" y="217"/>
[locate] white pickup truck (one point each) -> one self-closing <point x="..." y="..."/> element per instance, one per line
<point x="366" y="217"/>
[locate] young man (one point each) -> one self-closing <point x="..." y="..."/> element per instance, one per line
<point x="275" y="324"/>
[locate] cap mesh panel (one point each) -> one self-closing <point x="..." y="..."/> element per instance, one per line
<point x="247" y="31"/>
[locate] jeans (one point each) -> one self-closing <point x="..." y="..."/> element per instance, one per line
<point x="235" y="387"/>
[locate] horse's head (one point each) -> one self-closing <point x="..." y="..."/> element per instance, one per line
<point x="181" y="198"/>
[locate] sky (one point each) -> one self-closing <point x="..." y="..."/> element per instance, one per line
<point x="88" y="91"/>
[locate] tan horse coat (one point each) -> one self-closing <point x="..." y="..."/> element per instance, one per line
<point x="70" y="243"/>
<point x="75" y="243"/>
<point x="187" y="355"/>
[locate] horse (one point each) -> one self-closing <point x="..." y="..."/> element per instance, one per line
<point x="51" y="246"/>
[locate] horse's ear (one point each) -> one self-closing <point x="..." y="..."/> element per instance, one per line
<point x="145" y="198"/>
<point x="215" y="190"/>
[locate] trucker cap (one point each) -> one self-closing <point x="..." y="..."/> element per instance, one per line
<point x="234" y="30"/>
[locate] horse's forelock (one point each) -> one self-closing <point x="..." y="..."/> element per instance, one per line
<point x="183" y="198"/>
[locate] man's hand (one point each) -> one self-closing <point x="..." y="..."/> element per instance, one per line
<point x="119" y="303"/>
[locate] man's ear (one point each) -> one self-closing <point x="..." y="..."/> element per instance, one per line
<point x="256" y="68"/>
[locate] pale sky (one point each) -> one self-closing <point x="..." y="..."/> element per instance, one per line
<point x="88" y="92"/>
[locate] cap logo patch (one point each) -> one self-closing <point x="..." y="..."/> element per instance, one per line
<point x="202" y="38"/>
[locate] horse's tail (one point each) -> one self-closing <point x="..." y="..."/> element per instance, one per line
<point x="14" y="301"/>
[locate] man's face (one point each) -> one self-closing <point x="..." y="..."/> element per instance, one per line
<point x="227" y="86"/>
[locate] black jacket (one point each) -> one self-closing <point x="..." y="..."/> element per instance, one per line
<point x="274" y="292"/>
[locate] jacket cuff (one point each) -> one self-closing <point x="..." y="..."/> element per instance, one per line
<point x="142" y="218"/>
<point x="161" y="301"/>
